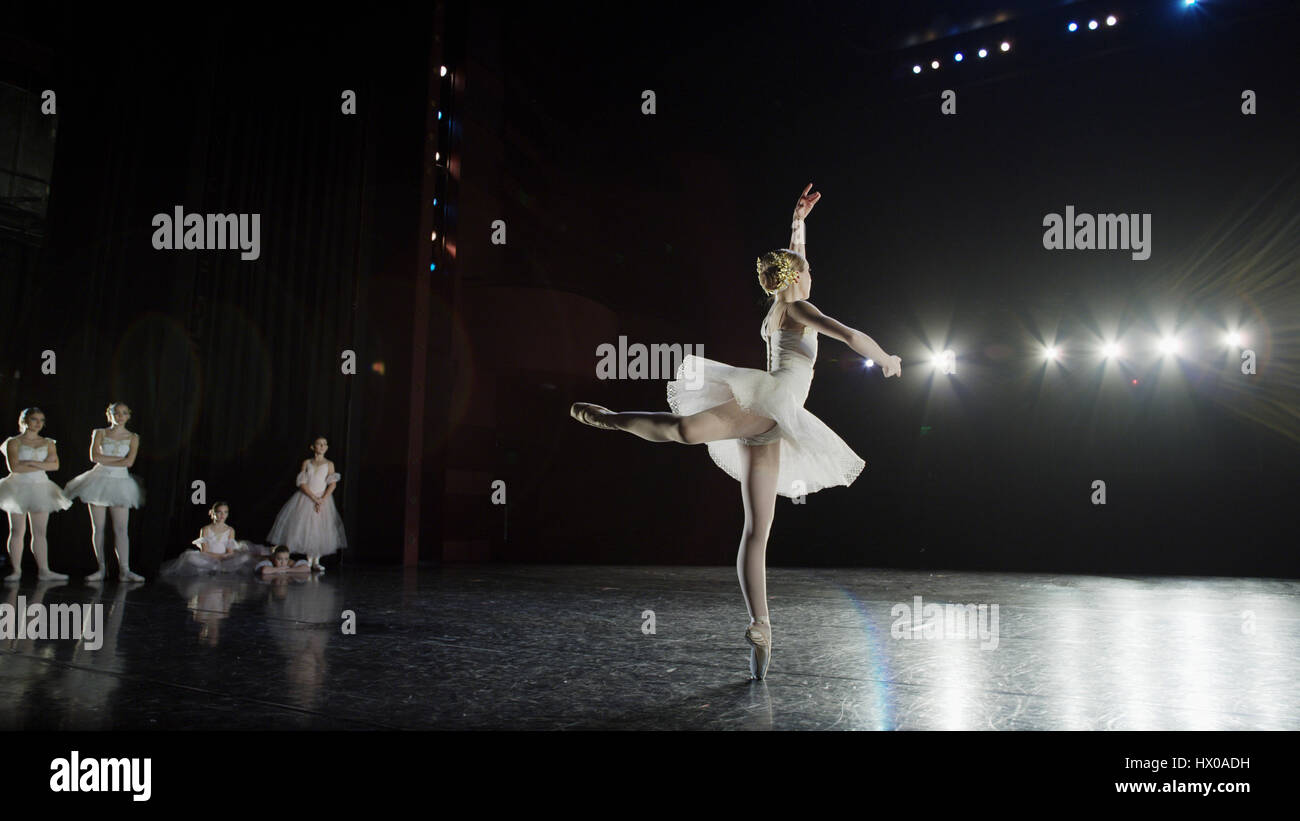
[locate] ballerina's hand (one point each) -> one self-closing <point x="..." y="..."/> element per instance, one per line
<point x="806" y="203"/>
<point x="891" y="366"/>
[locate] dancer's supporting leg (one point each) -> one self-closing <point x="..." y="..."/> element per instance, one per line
<point x="122" y="544"/>
<point x="759" y="468"/>
<point x="17" y="540"/>
<point x="41" y="548"/>
<point x="98" y="513"/>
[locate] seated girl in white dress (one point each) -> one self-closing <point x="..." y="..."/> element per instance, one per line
<point x="217" y="550"/>
<point x="281" y="565"/>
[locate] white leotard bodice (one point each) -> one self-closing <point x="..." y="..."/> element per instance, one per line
<point x="316" y="477"/>
<point x="790" y="350"/>
<point x="35" y="454"/>
<point x="213" y="543"/>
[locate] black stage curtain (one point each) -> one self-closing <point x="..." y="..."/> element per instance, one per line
<point x="231" y="366"/>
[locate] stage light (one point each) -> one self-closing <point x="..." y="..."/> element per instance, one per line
<point x="1073" y="26"/>
<point x="1110" y="21"/>
<point x="1092" y="25"/>
<point x="868" y="364"/>
<point x="957" y="57"/>
<point x="434" y="236"/>
<point x="1006" y="46"/>
<point x="1168" y="345"/>
<point x="1110" y="350"/>
<point x="945" y="362"/>
<point x="1235" y="339"/>
<point x="433" y="266"/>
<point x="1052" y="352"/>
<point x="437" y="155"/>
<point x="439" y="115"/>
<point x="1187" y="3"/>
<point x="984" y="52"/>
<point x="916" y="69"/>
<point x="934" y="64"/>
<point x="435" y="201"/>
<point x="442" y="72"/>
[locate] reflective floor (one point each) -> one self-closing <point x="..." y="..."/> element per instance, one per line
<point x="562" y="647"/>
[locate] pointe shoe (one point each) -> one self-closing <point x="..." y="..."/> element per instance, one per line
<point x="48" y="575"/>
<point x="759" y="634"/>
<point x="97" y="576"/>
<point x="589" y="414"/>
<point x="125" y="575"/>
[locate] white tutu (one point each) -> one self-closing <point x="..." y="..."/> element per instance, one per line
<point x="199" y="562"/>
<point x="31" y="492"/>
<point x="813" y="457"/>
<point x="299" y="527"/>
<point x="109" y="485"/>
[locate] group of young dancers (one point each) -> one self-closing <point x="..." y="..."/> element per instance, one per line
<point x="309" y="523"/>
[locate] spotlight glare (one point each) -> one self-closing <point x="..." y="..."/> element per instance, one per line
<point x="1110" y="350"/>
<point x="442" y="72"/>
<point x="957" y="57"/>
<point x="1006" y="45"/>
<point x="1168" y="345"/>
<point x="1092" y="25"/>
<point x="1051" y="352"/>
<point x="984" y="52"/>
<point x="916" y="69"/>
<point x="934" y="64"/>
<point x="1110" y="21"/>
<point x="869" y="364"/>
<point x="1073" y="26"/>
<point x="1235" y="339"/>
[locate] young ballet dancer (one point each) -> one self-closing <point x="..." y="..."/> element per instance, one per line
<point x="28" y="495"/>
<point x="309" y="522"/>
<point x="218" y="550"/>
<point x="754" y="422"/>
<point x="280" y="565"/>
<point x="110" y="486"/>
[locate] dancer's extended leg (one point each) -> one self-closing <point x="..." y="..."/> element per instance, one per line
<point x="726" y="421"/>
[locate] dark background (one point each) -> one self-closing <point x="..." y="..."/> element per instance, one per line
<point x="928" y="235"/>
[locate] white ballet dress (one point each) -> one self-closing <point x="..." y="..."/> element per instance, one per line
<point x="31" y="491"/>
<point x="203" y="559"/>
<point x="299" y="527"/>
<point x="109" y="485"/>
<point x="812" y="457"/>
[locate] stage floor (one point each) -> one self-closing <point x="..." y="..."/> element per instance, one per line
<point x="566" y="647"/>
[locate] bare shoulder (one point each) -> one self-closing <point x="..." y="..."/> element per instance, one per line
<point x="802" y="312"/>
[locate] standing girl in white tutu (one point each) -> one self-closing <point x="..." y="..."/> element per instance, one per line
<point x="754" y="422"/>
<point x="28" y="495"/>
<point x="309" y="522"/>
<point x="110" y="487"/>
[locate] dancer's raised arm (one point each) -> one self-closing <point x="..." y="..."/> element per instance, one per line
<point x="806" y="313"/>
<point x="798" y="242"/>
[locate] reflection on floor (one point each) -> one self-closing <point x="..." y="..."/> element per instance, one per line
<point x="563" y="647"/>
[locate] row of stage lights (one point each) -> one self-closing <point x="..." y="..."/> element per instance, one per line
<point x="1072" y="26"/>
<point x="437" y="159"/>
<point x="1167" y="346"/>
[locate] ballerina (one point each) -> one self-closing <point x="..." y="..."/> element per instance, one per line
<point x="110" y="486"/>
<point x="309" y="522"/>
<point x="754" y="422"/>
<point x="217" y="549"/>
<point x="28" y="495"/>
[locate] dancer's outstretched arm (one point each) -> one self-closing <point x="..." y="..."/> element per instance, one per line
<point x="806" y="313"/>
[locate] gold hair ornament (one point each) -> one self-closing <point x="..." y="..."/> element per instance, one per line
<point x="786" y="272"/>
